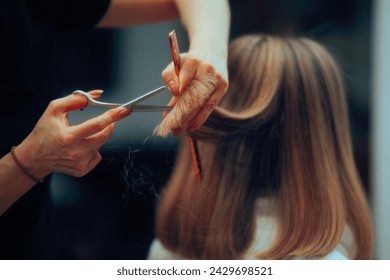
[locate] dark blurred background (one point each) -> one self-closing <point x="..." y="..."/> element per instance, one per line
<point x="108" y="214"/>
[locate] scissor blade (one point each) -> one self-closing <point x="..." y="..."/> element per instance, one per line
<point x="150" y="108"/>
<point x="137" y="100"/>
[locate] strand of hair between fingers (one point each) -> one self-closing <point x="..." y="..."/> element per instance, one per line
<point x="193" y="98"/>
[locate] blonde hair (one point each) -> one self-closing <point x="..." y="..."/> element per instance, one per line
<point x="191" y="100"/>
<point x="281" y="131"/>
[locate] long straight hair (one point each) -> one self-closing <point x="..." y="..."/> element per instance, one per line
<point x="281" y="132"/>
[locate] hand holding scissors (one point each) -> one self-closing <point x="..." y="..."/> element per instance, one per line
<point x="132" y="105"/>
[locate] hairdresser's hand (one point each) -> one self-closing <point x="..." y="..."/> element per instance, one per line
<point x="195" y="66"/>
<point x="55" y="146"/>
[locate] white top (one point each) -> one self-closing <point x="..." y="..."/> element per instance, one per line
<point x="264" y="235"/>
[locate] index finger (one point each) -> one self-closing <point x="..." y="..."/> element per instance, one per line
<point x="97" y="124"/>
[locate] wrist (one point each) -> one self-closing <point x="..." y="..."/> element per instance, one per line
<point x="22" y="156"/>
<point x="203" y="45"/>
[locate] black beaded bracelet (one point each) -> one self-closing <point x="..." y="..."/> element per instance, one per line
<point x="37" y="180"/>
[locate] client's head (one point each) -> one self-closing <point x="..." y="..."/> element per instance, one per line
<point x="280" y="132"/>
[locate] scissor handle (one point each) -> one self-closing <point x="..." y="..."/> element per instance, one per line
<point x="93" y="102"/>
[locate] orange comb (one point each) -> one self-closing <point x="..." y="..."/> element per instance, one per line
<point x="192" y="142"/>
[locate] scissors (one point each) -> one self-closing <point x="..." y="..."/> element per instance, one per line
<point x="131" y="105"/>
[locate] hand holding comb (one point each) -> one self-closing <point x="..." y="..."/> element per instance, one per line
<point x="174" y="46"/>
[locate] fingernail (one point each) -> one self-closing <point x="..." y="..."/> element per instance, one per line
<point x="173" y="87"/>
<point x="98" y="91"/>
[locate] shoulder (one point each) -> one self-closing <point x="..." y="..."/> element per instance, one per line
<point x="158" y="252"/>
<point x="336" y="254"/>
<point x="267" y="228"/>
<point x="345" y="249"/>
